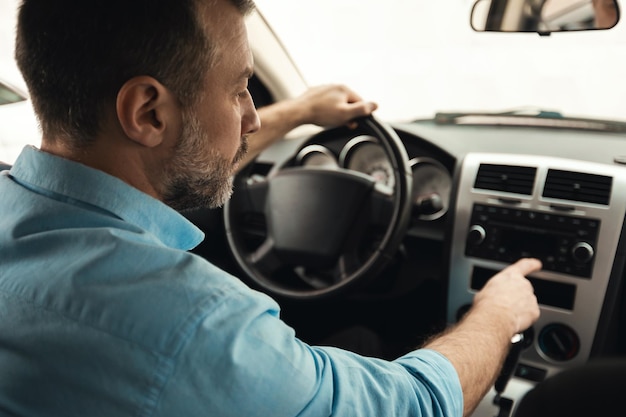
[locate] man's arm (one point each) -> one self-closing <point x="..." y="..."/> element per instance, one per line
<point x="328" y="105"/>
<point x="479" y="343"/>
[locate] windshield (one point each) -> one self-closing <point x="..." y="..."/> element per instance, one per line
<point x="417" y="58"/>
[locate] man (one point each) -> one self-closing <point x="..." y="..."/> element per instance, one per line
<point x="103" y="312"/>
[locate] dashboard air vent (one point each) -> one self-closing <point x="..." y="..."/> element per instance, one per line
<point x="576" y="186"/>
<point x="509" y="178"/>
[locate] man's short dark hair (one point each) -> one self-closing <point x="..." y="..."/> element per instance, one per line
<point x="76" y="54"/>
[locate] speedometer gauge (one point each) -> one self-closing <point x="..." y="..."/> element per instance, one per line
<point x="431" y="188"/>
<point x="317" y="156"/>
<point x="364" y="154"/>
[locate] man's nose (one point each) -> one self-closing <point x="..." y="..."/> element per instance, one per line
<point x="251" y="122"/>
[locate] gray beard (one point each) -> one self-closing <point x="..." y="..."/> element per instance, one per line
<point x="195" y="177"/>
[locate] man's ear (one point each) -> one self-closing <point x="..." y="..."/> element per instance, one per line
<point x="147" y="111"/>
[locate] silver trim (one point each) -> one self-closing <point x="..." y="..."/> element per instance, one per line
<point x="590" y="293"/>
<point x="413" y="163"/>
<point x="312" y="149"/>
<point x="348" y="148"/>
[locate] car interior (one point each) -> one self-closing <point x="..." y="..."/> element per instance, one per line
<point x="374" y="238"/>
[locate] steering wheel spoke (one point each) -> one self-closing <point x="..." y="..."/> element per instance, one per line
<point x="265" y="259"/>
<point x="315" y="279"/>
<point x="381" y="209"/>
<point x="321" y="280"/>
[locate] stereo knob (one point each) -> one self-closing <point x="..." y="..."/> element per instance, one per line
<point x="582" y="252"/>
<point x="559" y="342"/>
<point x="476" y="235"/>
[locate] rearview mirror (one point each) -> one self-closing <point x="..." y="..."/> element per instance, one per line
<point x="543" y="16"/>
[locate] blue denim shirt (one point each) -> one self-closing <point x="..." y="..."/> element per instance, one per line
<point x="103" y="312"/>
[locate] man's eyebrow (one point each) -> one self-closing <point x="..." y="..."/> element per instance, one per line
<point x="247" y="73"/>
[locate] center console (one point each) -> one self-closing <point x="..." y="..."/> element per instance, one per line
<point x="570" y="215"/>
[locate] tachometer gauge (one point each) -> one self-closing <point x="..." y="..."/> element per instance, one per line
<point x="317" y="156"/>
<point x="364" y="154"/>
<point x="431" y="188"/>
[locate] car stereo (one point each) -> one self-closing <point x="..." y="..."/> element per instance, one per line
<point x="563" y="243"/>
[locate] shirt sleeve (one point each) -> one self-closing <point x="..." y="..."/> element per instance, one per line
<point x="242" y="360"/>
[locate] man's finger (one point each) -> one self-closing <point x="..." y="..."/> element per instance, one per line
<point x="527" y="265"/>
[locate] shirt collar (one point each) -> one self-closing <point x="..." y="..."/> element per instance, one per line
<point x="79" y="183"/>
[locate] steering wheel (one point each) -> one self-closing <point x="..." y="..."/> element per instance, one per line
<point x="306" y="233"/>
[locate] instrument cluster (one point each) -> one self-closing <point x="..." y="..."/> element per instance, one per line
<point x="432" y="182"/>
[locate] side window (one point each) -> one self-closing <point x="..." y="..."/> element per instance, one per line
<point x="9" y="95"/>
<point x="259" y="92"/>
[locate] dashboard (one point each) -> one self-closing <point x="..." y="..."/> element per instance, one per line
<point x="484" y="196"/>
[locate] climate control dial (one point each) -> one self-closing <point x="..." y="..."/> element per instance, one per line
<point x="559" y="342"/>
